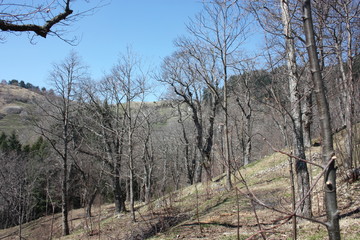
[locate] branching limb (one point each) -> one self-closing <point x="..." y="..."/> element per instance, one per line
<point x="41" y="30"/>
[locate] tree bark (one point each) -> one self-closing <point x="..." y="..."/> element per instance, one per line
<point x="119" y="198"/>
<point x="131" y="158"/>
<point x="189" y="163"/>
<point x="148" y="161"/>
<point x="148" y="184"/>
<point x="246" y="136"/>
<point x="64" y="204"/>
<point x="303" y="182"/>
<point x="332" y="213"/>
<point x="64" y="190"/>
<point x="114" y="165"/>
<point x="226" y="137"/>
<point x="347" y="82"/>
<point x="225" y="67"/>
<point x="90" y="202"/>
<point x="307" y="114"/>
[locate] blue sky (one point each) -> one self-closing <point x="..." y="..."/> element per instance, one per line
<point x="148" y="26"/>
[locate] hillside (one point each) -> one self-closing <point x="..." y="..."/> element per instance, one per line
<point x="15" y="106"/>
<point x="202" y="211"/>
<point x="208" y="211"/>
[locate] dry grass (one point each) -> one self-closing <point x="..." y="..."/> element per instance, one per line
<point x="10" y="93"/>
<point x="15" y="105"/>
<point x="177" y="215"/>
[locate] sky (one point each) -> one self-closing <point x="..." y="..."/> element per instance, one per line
<point x="148" y="26"/>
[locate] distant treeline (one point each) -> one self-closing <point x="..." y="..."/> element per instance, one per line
<point x="23" y="186"/>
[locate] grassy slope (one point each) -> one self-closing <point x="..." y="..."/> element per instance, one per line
<point x="208" y="204"/>
<point x="213" y="207"/>
<point x="15" y="105"/>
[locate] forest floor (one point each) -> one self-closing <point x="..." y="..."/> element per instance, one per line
<point x="209" y="211"/>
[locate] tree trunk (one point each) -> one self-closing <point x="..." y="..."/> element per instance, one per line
<point x="64" y="201"/>
<point x="248" y="140"/>
<point x="131" y="157"/>
<point x="131" y="178"/>
<point x="209" y="139"/>
<point x="349" y="81"/>
<point x="90" y="203"/>
<point x="64" y="184"/>
<point x="198" y="170"/>
<point x="307" y="115"/>
<point x="118" y="192"/>
<point x="164" y="175"/>
<point x="189" y="163"/>
<point x="199" y="143"/>
<point x="332" y="213"/>
<point x="148" y="176"/>
<point x="114" y="165"/>
<point x="347" y="95"/>
<point x="226" y="125"/>
<point x="303" y="182"/>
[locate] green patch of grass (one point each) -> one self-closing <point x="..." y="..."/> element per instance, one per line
<point x="11" y="122"/>
<point x="252" y="164"/>
<point x="206" y="225"/>
<point x="108" y="220"/>
<point x="234" y="237"/>
<point x="213" y="203"/>
<point x="287" y="194"/>
<point x="319" y="234"/>
<point x="165" y="236"/>
<point x="21" y="104"/>
<point x="357" y="237"/>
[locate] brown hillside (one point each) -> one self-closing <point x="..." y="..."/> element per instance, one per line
<point x="15" y="106"/>
<point x="208" y="211"/>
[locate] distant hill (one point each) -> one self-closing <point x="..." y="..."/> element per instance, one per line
<point x="15" y="106"/>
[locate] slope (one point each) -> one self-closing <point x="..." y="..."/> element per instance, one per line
<point x="16" y="104"/>
<point x="209" y="211"/>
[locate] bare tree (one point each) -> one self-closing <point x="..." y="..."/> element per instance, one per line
<point x="102" y="123"/>
<point x="281" y="20"/>
<point x="244" y="89"/>
<point x="148" y="155"/>
<point x="303" y="182"/>
<point x="20" y="177"/>
<point x="328" y="157"/>
<point x="55" y="123"/>
<point x="220" y="31"/>
<point x="131" y="79"/>
<point x="178" y="71"/>
<point x="189" y="158"/>
<point x="90" y="166"/>
<point x="341" y="22"/>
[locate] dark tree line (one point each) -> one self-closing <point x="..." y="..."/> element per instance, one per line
<point x="23" y="180"/>
<point x="27" y="85"/>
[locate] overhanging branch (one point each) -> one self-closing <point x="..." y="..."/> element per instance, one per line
<point x="38" y="29"/>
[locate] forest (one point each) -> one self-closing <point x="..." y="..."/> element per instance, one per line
<point x="224" y="109"/>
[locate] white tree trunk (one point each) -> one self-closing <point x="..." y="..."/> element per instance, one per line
<point x="303" y="183"/>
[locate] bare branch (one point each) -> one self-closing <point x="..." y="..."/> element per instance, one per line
<point x="41" y="30"/>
